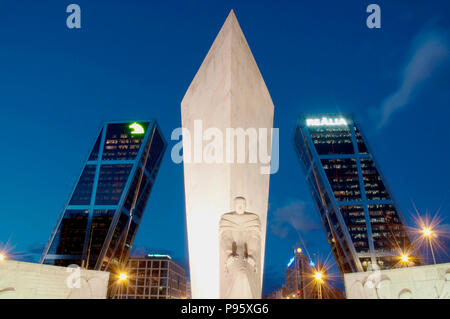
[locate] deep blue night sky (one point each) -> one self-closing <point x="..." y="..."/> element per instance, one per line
<point x="135" y="60"/>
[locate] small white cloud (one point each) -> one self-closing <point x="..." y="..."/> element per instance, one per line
<point x="430" y="49"/>
<point x="296" y="216"/>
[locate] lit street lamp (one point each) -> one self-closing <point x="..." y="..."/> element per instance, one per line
<point x="404" y="259"/>
<point x="427" y="232"/>
<point x="122" y="277"/>
<point x="318" y="277"/>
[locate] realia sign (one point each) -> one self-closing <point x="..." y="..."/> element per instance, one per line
<point x="325" y="121"/>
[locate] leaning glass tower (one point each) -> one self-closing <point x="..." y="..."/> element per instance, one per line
<point x="362" y="221"/>
<point x="98" y="224"/>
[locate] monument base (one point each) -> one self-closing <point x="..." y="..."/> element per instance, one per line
<point x="23" y="280"/>
<point x="420" y="282"/>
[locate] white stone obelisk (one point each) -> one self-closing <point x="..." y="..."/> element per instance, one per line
<point x="228" y="91"/>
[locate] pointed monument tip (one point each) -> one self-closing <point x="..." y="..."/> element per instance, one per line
<point x="231" y="15"/>
<point x="231" y="20"/>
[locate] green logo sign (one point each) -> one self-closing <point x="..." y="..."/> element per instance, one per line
<point x="136" y="129"/>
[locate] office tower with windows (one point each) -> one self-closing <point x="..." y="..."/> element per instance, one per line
<point x="98" y="224"/>
<point x="362" y="221"/>
<point x="188" y="290"/>
<point x="153" y="277"/>
<point x="299" y="275"/>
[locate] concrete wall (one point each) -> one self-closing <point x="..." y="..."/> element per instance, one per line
<point x="22" y="280"/>
<point x="421" y="282"/>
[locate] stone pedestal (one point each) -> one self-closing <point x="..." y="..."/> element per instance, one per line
<point x="420" y="282"/>
<point x="22" y="280"/>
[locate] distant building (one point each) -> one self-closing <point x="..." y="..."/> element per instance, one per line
<point x="280" y="293"/>
<point x="301" y="283"/>
<point x="188" y="290"/>
<point x="153" y="277"/>
<point x="362" y="221"/>
<point x="97" y="226"/>
<point x="299" y="275"/>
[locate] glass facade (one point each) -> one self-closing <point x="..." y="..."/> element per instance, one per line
<point x="361" y="219"/>
<point x="98" y="224"/>
<point x="299" y="277"/>
<point x="153" y="277"/>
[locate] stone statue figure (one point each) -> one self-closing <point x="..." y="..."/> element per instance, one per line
<point x="240" y="253"/>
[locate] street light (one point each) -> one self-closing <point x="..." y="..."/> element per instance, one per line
<point x="404" y="258"/>
<point x="427" y="232"/>
<point x="318" y="276"/>
<point x="2" y="257"/>
<point x="123" y="277"/>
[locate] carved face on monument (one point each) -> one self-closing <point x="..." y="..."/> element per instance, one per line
<point x="239" y="205"/>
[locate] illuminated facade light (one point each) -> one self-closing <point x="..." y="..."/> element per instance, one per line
<point x="404" y="258"/>
<point x="99" y="222"/>
<point x="158" y="256"/>
<point x="291" y="261"/>
<point x="362" y="220"/>
<point x="299" y="250"/>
